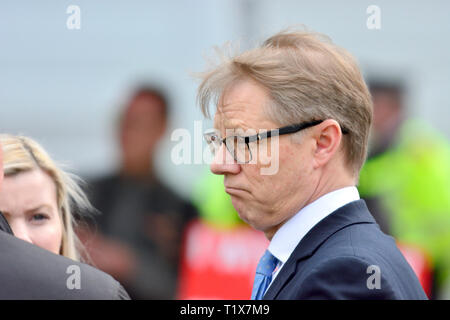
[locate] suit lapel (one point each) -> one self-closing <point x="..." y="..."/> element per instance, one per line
<point x="352" y="213"/>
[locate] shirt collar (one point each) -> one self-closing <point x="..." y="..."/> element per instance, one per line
<point x="286" y="239"/>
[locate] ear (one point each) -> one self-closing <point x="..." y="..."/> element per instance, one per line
<point x="327" y="137"/>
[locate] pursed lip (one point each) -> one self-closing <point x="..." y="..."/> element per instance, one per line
<point x="234" y="190"/>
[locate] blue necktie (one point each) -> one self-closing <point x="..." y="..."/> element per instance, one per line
<point x="263" y="275"/>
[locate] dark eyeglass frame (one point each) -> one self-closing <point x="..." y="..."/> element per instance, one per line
<point x="275" y="132"/>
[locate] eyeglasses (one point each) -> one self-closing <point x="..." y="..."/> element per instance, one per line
<point x="238" y="146"/>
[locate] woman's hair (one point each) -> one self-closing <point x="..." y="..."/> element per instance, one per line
<point x="308" y="78"/>
<point x="22" y="154"/>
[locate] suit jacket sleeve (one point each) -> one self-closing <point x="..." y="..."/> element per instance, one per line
<point x="347" y="277"/>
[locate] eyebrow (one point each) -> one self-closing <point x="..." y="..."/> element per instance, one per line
<point x="37" y="208"/>
<point x="233" y="125"/>
<point x="40" y="207"/>
<point x="226" y="122"/>
<point x="28" y="211"/>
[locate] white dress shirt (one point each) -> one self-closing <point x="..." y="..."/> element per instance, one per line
<point x="286" y="239"/>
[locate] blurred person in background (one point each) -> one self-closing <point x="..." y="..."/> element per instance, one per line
<point x="406" y="183"/>
<point x="38" y="247"/>
<point x="137" y="235"/>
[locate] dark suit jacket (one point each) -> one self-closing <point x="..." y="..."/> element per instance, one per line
<point x="30" y="272"/>
<point x="343" y="257"/>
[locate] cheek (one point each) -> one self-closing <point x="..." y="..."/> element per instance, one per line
<point x="266" y="184"/>
<point x="292" y="173"/>
<point x="253" y="177"/>
<point x="48" y="236"/>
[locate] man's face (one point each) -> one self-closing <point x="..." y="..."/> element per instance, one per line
<point x="263" y="201"/>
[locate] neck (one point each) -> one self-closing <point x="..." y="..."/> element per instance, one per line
<point x="137" y="170"/>
<point x="330" y="183"/>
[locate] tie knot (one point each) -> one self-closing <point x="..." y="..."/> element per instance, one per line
<point x="267" y="264"/>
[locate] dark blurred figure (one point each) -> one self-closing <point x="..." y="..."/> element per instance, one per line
<point x="138" y="233"/>
<point x="406" y="184"/>
<point x="388" y="116"/>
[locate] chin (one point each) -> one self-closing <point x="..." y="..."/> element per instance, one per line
<point x="241" y="209"/>
<point x="242" y="213"/>
<point x="248" y="214"/>
<point x="252" y="220"/>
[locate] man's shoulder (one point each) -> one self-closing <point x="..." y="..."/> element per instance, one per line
<point x="357" y="262"/>
<point x="29" y="272"/>
<point x="341" y="256"/>
<point x="362" y="244"/>
<point x="361" y="240"/>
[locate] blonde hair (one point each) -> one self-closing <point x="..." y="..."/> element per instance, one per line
<point x="22" y="154"/>
<point x="308" y="78"/>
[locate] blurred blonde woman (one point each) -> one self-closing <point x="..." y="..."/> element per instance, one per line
<point x="38" y="198"/>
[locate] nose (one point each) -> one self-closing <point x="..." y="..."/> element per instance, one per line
<point x="20" y="231"/>
<point x="224" y="162"/>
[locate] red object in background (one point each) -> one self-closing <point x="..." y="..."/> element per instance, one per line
<point x="219" y="263"/>
<point x="420" y="262"/>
